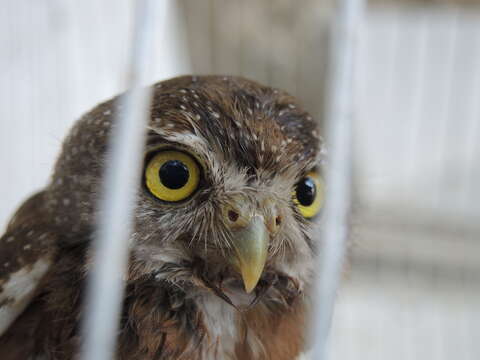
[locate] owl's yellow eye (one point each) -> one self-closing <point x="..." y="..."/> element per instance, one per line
<point x="309" y="194"/>
<point x="172" y="175"/>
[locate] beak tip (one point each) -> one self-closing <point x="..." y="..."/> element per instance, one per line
<point x="249" y="288"/>
<point x="250" y="281"/>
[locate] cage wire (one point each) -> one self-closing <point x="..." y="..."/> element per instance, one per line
<point x="111" y="250"/>
<point x="411" y="283"/>
<point x="335" y="222"/>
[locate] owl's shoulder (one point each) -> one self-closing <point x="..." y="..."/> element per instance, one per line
<point x="26" y="253"/>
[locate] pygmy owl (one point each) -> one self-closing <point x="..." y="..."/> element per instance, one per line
<point x="222" y="251"/>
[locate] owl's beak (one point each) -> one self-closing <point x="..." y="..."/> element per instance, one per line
<point x="251" y="245"/>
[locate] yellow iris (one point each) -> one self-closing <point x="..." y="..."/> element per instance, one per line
<point x="172" y="175"/>
<point x="309" y="194"/>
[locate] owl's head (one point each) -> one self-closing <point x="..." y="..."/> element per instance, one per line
<point x="231" y="182"/>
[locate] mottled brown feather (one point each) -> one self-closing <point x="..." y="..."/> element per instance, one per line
<point x="251" y="140"/>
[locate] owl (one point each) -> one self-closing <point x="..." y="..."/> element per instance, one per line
<point x="222" y="251"/>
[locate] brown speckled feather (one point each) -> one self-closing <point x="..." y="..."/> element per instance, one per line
<point x="184" y="300"/>
<point x="27" y="251"/>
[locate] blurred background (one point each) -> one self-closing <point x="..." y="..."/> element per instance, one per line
<point x="413" y="285"/>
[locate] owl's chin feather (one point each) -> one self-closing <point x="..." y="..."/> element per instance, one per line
<point x="238" y="296"/>
<point x="273" y="286"/>
<point x="198" y="276"/>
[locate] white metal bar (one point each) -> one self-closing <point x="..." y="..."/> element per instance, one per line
<point x="106" y="287"/>
<point x="472" y="145"/>
<point x="338" y="126"/>
<point x="441" y="150"/>
<point x="416" y="102"/>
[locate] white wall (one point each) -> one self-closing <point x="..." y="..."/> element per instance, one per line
<point x="59" y="58"/>
<point x="418" y="113"/>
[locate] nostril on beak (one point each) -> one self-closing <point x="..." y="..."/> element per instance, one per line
<point x="278" y="220"/>
<point x="232" y="215"/>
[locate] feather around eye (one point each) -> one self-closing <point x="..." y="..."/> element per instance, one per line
<point x="172" y="175"/>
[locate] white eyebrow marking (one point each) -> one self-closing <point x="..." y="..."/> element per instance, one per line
<point x="186" y="138"/>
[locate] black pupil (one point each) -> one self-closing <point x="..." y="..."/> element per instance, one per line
<point x="174" y="174"/>
<point x="306" y="191"/>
